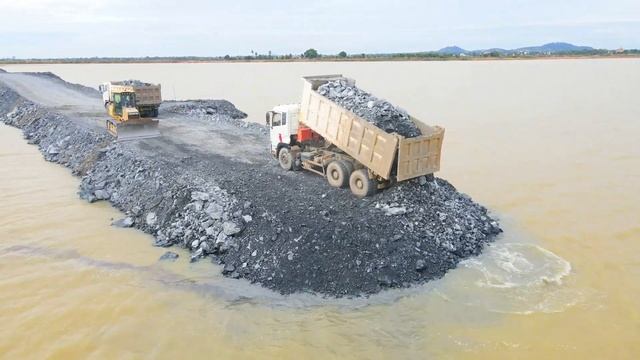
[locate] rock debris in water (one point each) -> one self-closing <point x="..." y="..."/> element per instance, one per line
<point x="376" y="111"/>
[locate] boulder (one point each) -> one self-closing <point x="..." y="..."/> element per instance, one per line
<point x="396" y="210"/>
<point x="228" y="269"/>
<point x="230" y="228"/>
<point x="169" y="256"/>
<point x="52" y="150"/>
<point x="102" y="195"/>
<point x="215" y="211"/>
<point x="199" y="196"/>
<point x="151" y="219"/>
<point x="124" y="222"/>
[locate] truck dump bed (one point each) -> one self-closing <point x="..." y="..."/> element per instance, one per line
<point x="146" y="94"/>
<point x="365" y="142"/>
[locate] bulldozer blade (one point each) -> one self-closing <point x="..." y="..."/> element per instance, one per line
<point x="133" y="130"/>
<point x="137" y="132"/>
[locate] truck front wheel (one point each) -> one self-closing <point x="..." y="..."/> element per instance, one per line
<point x="285" y="159"/>
<point x="338" y="174"/>
<point x="361" y="185"/>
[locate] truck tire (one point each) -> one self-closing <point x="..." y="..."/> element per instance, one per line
<point x="349" y="166"/>
<point x="337" y="174"/>
<point x="285" y="159"/>
<point x="361" y="185"/>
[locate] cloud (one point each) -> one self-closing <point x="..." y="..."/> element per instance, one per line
<point x="211" y="27"/>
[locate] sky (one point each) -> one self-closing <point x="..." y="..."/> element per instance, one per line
<point x="136" y="28"/>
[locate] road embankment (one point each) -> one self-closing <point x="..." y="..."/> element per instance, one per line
<point x="288" y="231"/>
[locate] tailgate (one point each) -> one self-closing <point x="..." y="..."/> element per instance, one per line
<point x="420" y="155"/>
<point x="148" y="95"/>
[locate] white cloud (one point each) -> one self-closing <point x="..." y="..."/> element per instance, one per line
<point x="59" y="28"/>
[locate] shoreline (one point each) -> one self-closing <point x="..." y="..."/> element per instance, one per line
<point x="321" y="60"/>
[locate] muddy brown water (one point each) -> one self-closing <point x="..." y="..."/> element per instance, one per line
<point x="550" y="146"/>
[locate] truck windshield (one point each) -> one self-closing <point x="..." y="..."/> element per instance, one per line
<point x="125" y="99"/>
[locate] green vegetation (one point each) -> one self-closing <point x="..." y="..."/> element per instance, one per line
<point x="313" y="55"/>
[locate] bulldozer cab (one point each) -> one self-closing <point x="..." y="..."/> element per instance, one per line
<point x="123" y="100"/>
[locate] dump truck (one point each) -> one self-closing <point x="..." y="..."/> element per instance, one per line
<point x="126" y="122"/>
<point x="323" y="137"/>
<point x="148" y="96"/>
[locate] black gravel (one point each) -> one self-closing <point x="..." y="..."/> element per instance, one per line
<point x="204" y="107"/>
<point x="288" y="231"/>
<point x="376" y="111"/>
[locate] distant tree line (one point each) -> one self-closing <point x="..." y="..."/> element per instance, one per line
<point x="313" y="54"/>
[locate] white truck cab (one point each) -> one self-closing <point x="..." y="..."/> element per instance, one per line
<point x="283" y="124"/>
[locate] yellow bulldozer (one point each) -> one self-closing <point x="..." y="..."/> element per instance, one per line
<point x="125" y="122"/>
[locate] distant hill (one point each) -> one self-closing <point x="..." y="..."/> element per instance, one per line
<point x="550" y="48"/>
<point x="554" y="48"/>
<point x="493" y="50"/>
<point x="452" y="50"/>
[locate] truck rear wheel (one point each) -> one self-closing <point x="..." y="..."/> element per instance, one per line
<point x="361" y="185"/>
<point x="338" y="174"/>
<point x="285" y="159"/>
<point x="349" y="166"/>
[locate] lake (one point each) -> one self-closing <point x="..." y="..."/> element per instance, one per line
<point x="551" y="147"/>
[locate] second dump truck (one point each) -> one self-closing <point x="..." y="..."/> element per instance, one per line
<point x="126" y="121"/>
<point x="323" y="137"/>
<point x="148" y="96"/>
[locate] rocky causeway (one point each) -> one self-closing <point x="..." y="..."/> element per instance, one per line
<point x="209" y="185"/>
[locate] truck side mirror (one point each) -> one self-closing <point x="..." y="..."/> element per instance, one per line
<point x="268" y="120"/>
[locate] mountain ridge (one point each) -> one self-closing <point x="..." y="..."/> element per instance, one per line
<point x="548" y="48"/>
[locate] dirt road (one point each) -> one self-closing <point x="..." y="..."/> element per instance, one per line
<point x="84" y="106"/>
<point x="209" y="185"/>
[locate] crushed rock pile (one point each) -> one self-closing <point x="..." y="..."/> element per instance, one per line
<point x="204" y="107"/>
<point x="137" y="83"/>
<point x="171" y="203"/>
<point x="58" y="142"/>
<point x="376" y="111"/>
<point x="338" y="245"/>
<point x="216" y="111"/>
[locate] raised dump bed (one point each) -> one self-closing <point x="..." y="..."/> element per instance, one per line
<point x="365" y="142"/>
<point x="322" y="136"/>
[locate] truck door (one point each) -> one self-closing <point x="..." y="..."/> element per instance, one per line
<point x="279" y="129"/>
